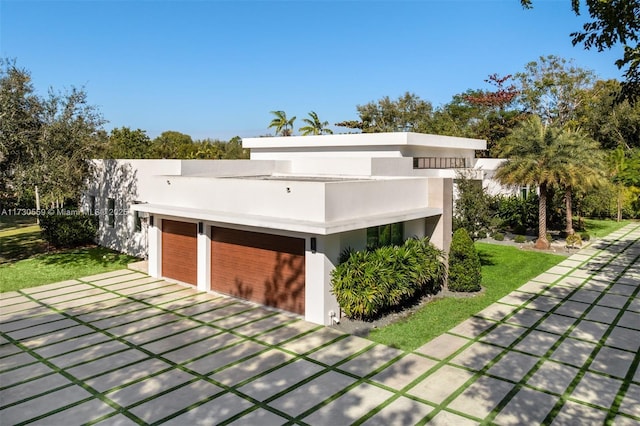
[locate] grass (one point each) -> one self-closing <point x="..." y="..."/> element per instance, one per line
<point x="504" y="269"/>
<point x="25" y="262"/>
<point x="598" y="228"/>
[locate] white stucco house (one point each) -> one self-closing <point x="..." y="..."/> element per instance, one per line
<point x="270" y="229"/>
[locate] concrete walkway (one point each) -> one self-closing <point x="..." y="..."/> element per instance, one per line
<point x="123" y="348"/>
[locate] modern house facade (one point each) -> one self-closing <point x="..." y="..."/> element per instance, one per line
<point x="271" y="229"/>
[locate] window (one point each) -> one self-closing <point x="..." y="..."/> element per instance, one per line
<point x="440" y="163"/>
<point x="385" y="235"/>
<point x="137" y="222"/>
<point x="111" y="212"/>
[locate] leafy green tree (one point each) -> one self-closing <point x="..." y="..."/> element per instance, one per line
<point x="283" y="125"/>
<point x="408" y="113"/>
<point x="538" y="155"/>
<point x="624" y="171"/>
<point x="171" y="144"/>
<point x="553" y="89"/>
<point x="465" y="272"/>
<point x="613" y="22"/>
<point x="472" y="209"/>
<point x="20" y="125"/>
<point x="314" y="126"/>
<point x="611" y="123"/>
<point x="127" y="143"/>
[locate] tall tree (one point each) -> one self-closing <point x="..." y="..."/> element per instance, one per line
<point x="611" y="123"/>
<point x="614" y="22"/>
<point x="553" y="88"/>
<point x="283" y="125"/>
<point x="583" y="171"/>
<point x="408" y="113"/>
<point x="20" y="124"/>
<point x="538" y="155"/>
<point x="314" y="126"/>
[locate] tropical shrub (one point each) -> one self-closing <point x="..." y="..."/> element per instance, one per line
<point x="372" y="282"/>
<point x="464" y="263"/>
<point x="585" y="236"/>
<point x="69" y="230"/>
<point x="498" y="236"/>
<point x="520" y="239"/>
<point x="574" y="240"/>
<point x="518" y="213"/>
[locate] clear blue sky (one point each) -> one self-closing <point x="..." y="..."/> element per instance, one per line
<point x="216" y="68"/>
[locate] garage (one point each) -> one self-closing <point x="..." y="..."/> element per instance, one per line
<point x="263" y="268"/>
<point x="180" y="251"/>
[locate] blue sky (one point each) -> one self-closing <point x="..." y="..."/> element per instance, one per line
<point x="216" y="68"/>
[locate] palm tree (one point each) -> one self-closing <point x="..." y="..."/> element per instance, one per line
<point x="584" y="169"/>
<point x="540" y="156"/>
<point x="315" y="126"/>
<point x="283" y="126"/>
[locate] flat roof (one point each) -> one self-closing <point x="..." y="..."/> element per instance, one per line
<point x="364" y="139"/>
<point x="300" y="178"/>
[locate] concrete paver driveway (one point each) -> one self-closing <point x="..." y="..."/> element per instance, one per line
<point x="123" y="348"/>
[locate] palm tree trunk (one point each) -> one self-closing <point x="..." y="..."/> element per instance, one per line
<point x="567" y="198"/>
<point x="542" y="242"/>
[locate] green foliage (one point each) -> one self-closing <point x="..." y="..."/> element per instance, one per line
<point x="498" y="236"/>
<point x="45" y="141"/>
<point x="518" y="213"/>
<point x="614" y="23"/>
<point x="408" y="113"/>
<point x="552" y="88"/>
<point x="504" y="269"/>
<point x="282" y="125"/>
<point x="127" y="143"/>
<point x="314" y="126"/>
<point x="471" y="210"/>
<point x="520" y="239"/>
<point x="370" y="283"/>
<point x="585" y="236"/>
<point x="69" y="230"/>
<point x="482" y="234"/>
<point x="574" y="240"/>
<point x="464" y="264"/>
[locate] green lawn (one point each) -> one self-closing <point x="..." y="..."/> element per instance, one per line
<point x="504" y="269"/>
<point x="598" y="228"/>
<point x="25" y="262"/>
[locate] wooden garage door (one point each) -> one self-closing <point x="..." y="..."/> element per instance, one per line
<point x="264" y="268"/>
<point x="180" y="251"/>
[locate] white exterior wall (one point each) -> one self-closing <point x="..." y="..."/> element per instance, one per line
<point x="385" y="189"/>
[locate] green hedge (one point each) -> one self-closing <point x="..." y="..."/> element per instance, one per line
<point x="69" y="230"/>
<point x="370" y="283"/>
<point x="464" y="263"/>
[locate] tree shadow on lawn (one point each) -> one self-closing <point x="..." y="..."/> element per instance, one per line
<point x="91" y="255"/>
<point x="21" y="246"/>
<point x="486" y="259"/>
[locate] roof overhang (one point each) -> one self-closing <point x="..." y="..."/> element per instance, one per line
<point x="365" y="139"/>
<point x="267" y="222"/>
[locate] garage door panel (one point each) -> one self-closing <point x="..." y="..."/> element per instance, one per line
<point x="179" y="251"/>
<point x="264" y="268"/>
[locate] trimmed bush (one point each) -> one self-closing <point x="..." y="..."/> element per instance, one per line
<point x="482" y="234"/>
<point x="370" y="283"/>
<point x="520" y="239"/>
<point x="498" y="236"/>
<point x="464" y="263"/>
<point x="585" y="236"/>
<point x="67" y="231"/>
